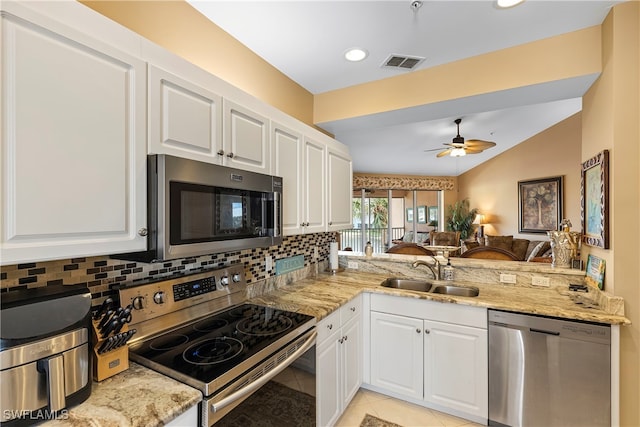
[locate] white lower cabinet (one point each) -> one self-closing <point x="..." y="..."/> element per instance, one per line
<point x="455" y="368"/>
<point x="338" y="362"/>
<point x="431" y="352"/>
<point x="397" y="354"/>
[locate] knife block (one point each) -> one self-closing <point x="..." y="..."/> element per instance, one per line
<point x="112" y="362"/>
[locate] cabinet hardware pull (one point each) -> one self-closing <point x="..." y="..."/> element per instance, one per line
<point x="341" y="340"/>
<point x="330" y="222"/>
<point x="345" y="337"/>
<point x="230" y="155"/>
<point x="143" y="231"/>
<point x="330" y="326"/>
<point x="418" y="330"/>
<point x="427" y="331"/>
<point x="220" y="152"/>
<point x="353" y="309"/>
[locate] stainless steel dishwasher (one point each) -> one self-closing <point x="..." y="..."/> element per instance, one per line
<point x="548" y="372"/>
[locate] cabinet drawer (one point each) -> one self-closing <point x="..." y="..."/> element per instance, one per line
<point x="351" y="310"/>
<point x="327" y="326"/>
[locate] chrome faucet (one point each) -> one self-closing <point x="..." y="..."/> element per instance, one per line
<point x="435" y="268"/>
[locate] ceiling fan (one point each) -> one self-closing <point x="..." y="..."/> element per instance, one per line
<point x="460" y="147"/>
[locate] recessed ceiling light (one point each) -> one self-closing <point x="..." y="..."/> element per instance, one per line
<point x="355" y="54"/>
<point x="504" y="4"/>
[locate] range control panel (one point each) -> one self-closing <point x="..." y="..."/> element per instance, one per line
<point x="172" y="294"/>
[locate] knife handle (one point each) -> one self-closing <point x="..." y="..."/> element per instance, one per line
<point x="105" y="319"/>
<point x="119" y="326"/>
<point x="109" y="328"/>
<point x="105" y="344"/>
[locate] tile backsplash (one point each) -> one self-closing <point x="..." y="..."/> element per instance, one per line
<point x="102" y="273"/>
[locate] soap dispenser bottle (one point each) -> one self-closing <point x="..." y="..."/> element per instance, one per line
<point x="448" y="271"/>
<point x="368" y="250"/>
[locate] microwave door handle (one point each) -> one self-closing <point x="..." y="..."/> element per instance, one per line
<point x="276" y="214"/>
<point x="246" y="391"/>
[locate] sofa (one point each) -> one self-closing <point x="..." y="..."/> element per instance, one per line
<point x="521" y="249"/>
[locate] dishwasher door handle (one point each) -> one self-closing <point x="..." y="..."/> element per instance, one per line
<point x="542" y="331"/>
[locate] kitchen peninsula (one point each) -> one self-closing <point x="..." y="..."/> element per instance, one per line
<point x="323" y="294"/>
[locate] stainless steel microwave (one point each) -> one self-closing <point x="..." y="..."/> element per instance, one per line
<point x="197" y="208"/>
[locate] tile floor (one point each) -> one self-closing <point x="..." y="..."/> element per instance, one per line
<point x="396" y="411"/>
<point x="376" y="404"/>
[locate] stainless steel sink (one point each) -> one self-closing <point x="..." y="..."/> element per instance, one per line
<point x="408" y="284"/>
<point x="460" y="291"/>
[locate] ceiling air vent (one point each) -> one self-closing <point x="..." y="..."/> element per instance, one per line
<point x="402" y="61"/>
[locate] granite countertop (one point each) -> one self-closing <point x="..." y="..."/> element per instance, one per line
<point x="134" y="398"/>
<point x="319" y="296"/>
<point x="143" y="397"/>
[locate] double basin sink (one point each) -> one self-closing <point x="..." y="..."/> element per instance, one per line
<point x="431" y="287"/>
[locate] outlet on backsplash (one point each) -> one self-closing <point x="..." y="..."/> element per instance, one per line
<point x="507" y="278"/>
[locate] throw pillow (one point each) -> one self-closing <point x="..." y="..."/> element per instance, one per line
<point x="539" y="250"/>
<point x="408" y="236"/>
<point x="519" y="247"/>
<point x="502" y="242"/>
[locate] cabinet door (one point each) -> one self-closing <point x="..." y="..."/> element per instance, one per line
<point x="340" y="186"/>
<point x="73" y="143"/>
<point x="455" y="374"/>
<point x="328" y="400"/>
<point x="397" y="354"/>
<point x="185" y="120"/>
<point x="246" y="139"/>
<point x="314" y="186"/>
<point x="351" y="360"/>
<point x="287" y="163"/>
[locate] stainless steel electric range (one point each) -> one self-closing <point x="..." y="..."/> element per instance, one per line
<point x="199" y="329"/>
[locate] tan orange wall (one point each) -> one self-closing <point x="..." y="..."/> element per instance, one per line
<point x="565" y="56"/>
<point x="611" y="109"/>
<point x="179" y="28"/>
<point x="493" y="186"/>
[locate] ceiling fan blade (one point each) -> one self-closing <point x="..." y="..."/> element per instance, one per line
<point x="473" y="150"/>
<point x="479" y="144"/>
<point x="445" y="152"/>
<point x="436" y="149"/>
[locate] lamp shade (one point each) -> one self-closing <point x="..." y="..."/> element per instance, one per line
<point x="479" y="219"/>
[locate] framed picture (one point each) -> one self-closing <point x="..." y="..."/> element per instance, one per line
<point x="422" y="214"/>
<point x="432" y="214"/>
<point x="595" y="271"/>
<point x="409" y="214"/>
<point x="594" y="195"/>
<point x="540" y="205"/>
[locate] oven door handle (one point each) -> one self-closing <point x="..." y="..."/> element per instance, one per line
<point x="245" y="391"/>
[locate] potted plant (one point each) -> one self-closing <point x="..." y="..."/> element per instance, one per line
<point x="460" y="218"/>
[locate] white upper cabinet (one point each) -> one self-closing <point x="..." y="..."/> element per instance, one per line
<point x="246" y="139"/>
<point x="287" y="163"/>
<point x="185" y="119"/>
<point x="73" y="140"/>
<point x="340" y="188"/>
<point x="315" y="177"/>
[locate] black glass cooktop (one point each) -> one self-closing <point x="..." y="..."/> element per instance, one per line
<point x="208" y="348"/>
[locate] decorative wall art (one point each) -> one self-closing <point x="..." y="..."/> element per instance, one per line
<point x="409" y="214"/>
<point x="540" y="205"/>
<point x="433" y="213"/>
<point x="594" y="195"/>
<point x="422" y="214"/>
